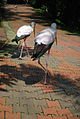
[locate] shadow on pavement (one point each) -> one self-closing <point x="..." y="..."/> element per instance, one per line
<point x="14" y="51"/>
<point x="28" y="15"/>
<point x="67" y="85"/>
<point x="1" y="89"/>
<point x="32" y="74"/>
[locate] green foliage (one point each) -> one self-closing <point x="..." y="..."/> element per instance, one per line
<point x="33" y="2"/>
<point x="62" y="11"/>
<point x="41" y="10"/>
<point x="44" y="7"/>
<point x="1" y="3"/>
<point x="36" y="3"/>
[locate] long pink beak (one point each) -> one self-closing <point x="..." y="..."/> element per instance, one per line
<point x="56" y="40"/>
<point x="34" y="30"/>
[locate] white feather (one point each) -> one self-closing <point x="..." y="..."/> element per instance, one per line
<point x="24" y="30"/>
<point x="46" y="36"/>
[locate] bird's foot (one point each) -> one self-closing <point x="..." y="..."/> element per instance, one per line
<point x="28" y="55"/>
<point x="48" y="74"/>
<point x="20" y="58"/>
<point x="45" y="83"/>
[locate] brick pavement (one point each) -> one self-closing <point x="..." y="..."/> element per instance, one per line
<point x="22" y="93"/>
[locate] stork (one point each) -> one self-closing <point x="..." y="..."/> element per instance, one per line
<point x="43" y="42"/>
<point x="22" y="33"/>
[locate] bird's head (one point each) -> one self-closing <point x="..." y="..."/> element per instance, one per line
<point x="33" y="24"/>
<point x="53" y="26"/>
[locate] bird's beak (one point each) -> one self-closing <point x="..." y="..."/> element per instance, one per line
<point x="56" y="40"/>
<point x="34" y="30"/>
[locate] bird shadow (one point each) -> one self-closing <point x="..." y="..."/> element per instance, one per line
<point x="4" y="90"/>
<point x="16" y="53"/>
<point x="32" y="74"/>
<point x="13" y="51"/>
<point x="67" y="85"/>
<point x="9" y="49"/>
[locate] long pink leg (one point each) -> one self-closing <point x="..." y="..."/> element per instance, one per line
<point x="41" y="64"/>
<point x="39" y="61"/>
<point x="20" y="57"/>
<point x="46" y="67"/>
<point x="26" y="48"/>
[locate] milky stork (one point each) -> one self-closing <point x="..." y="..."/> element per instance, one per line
<point x="43" y="42"/>
<point x="22" y="33"/>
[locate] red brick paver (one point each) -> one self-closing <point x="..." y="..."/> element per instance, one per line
<point x="2" y="100"/>
<point x="54" y="104"/>
<point x="1" y="115"/>
<point x="12" y="116"/>
<point x="5" y="108"/>
<point x="6" y="111"/>
<point x="44" y="117"/>
<point x="49" y="111"/>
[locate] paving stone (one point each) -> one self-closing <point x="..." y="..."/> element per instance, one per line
<point x="2" y="94"/>
<point x="52" y="60"/>
<point x="12" y="115"/>
<point x="31" y="95"/>
<point x="63" y="40"/>
<point x="75" y="48"/>
<point x="65" y="112"/>
<point x="12" y="101"/>
<point x="1" y="115"/>
<point x="66" y="104"/>
<point x="2" y="100"/>
<point x="5" y="108"/>
<point x="74" y="111"/>
<point x="24" y="101"/>
<point x="9" y="31"/>
<point x="33" y="89"/>
<point x="59" y="47"/>
<point x="54" y="104"/>
<point x="48" y="111"/>
<point x="43" y="96"/>
<point x="77" y="41"/>
<point x="72" y="60"/>
<point x="31" y="109"/>
<point x="21" y="109"/>
<point x="44" y="117"/>
<point x="59" y="117"/>
<point x="41" y="102"/>
<point x="27" y="116"/>
<point x="58" y="95"/>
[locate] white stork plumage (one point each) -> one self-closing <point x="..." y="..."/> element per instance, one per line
<point x="22" y="33"/>
<point x="43" y="42"/>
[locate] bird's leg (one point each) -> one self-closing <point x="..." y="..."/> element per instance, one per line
<point x="26" y="47"/>
<point x="20" y="57"/>
<point x="41" y="64"/>
<point x="39" y="61"/>
<point x="46" y="67"/>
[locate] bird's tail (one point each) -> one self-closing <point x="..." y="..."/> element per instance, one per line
<point x="39" y="50"/>
<point x="15" y="40"/>
<point x="35" y="52"/>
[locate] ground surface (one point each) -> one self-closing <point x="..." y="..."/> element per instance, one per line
<point x="22" y="93"/>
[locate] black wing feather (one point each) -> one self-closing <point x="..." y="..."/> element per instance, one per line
<point x="40" y="50"/>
